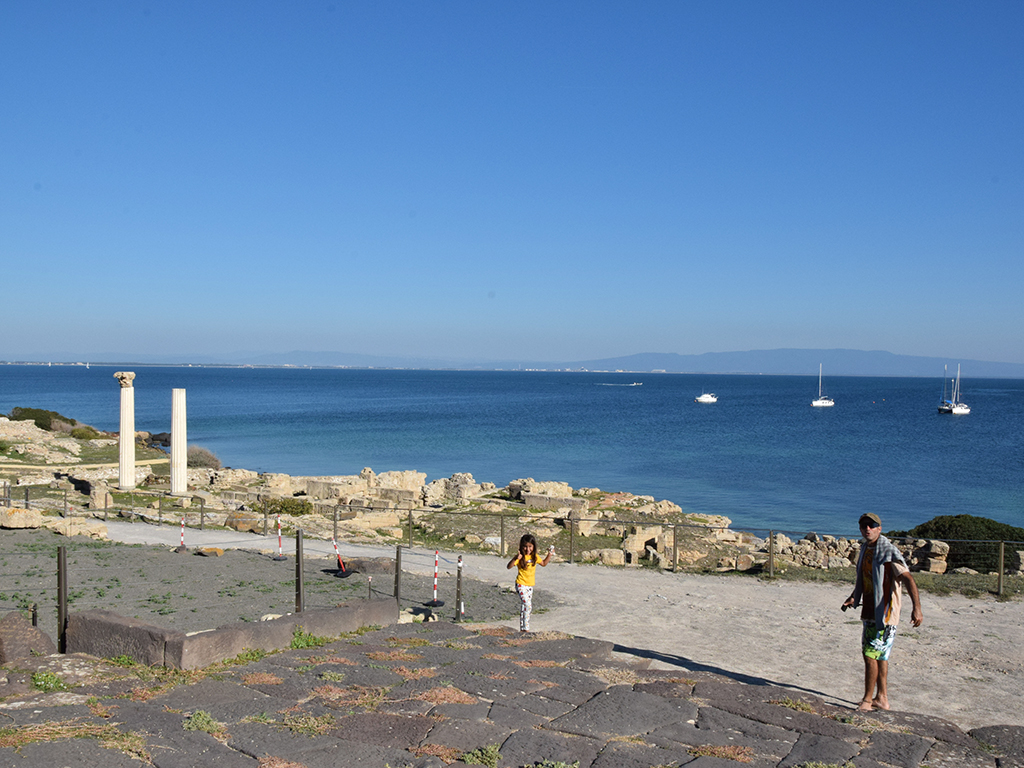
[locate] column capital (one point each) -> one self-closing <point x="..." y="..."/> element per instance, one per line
<point x="125" y="378"/>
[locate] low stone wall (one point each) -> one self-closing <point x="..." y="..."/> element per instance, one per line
<point x="106" y="634"/>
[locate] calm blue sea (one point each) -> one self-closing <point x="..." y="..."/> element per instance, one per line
<point x="760" y="456"/>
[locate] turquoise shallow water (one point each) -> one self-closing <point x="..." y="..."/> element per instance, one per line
<point x="760" y="456"/>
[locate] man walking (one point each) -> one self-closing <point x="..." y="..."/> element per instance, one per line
<point x="881" y="570"/>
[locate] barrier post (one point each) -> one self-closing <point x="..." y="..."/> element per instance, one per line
<point x="35" y="614"/>
<point x="398" y="573"/>
<point x="26" y="497"/>
<point x="300" y="587"/>
<point x="435" y="603"/>
<point x="1002" y="556"/>
<point x="62" y="599"/>
<point x="65" y="513"/>
<point x="771" y="554"/>
<point x="460" y="609"/>
<point x="280" y="545"/>
<point x="369" y="587"/>
<point x="182" y="547"/>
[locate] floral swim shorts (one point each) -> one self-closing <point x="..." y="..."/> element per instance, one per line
<point x="878" y="643"/>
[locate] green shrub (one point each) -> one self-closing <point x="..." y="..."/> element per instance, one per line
<point x="201" y="457"/>
<point x="85" y="433"/>
<point x="201" y="720"/>
<point x="488" y="756"/>
<point x="959" y="531"/>
<point x="303" y="639"/>
<point x="43" y="419"/>
<point x="296" y="507"/>
<point x="48" y="681"/>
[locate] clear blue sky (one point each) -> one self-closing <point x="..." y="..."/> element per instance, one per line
<point x="500" y="180"/>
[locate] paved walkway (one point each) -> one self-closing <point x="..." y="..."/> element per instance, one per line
<point x="425" y="695"/>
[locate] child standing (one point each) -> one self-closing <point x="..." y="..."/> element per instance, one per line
<point x="526" y="560"/>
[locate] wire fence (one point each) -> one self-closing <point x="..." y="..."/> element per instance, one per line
<point x="172" y="587"/>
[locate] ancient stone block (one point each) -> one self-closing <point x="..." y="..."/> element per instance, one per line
<point x="20" y="640"/>
<point x="106" y="634"/>
<point x="245" y="521"/>
<point x="15" y="517"/>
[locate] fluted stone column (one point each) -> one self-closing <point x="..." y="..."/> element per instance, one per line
<point x="126" y="438"/>
<point x="179" y="444"/>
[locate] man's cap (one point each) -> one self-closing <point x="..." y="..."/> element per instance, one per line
<point x="872" y="518"/>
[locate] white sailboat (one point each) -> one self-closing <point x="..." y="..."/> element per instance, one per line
<point x="823" y="401"/>
<point x="707" y="397"/>
<point x="953" y="405"/>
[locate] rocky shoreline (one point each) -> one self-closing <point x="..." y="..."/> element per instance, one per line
<point x="629" y="530"/>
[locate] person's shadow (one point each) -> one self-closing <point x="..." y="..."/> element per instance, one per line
<point x="696" y="666"/>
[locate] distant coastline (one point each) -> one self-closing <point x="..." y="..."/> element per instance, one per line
<point x="777" y="362"/>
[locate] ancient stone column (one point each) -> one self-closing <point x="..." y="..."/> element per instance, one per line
<point x="179" y="444"/>
<point x="126" y="438"/>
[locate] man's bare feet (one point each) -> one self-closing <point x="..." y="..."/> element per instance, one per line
<point x="880" y="703"/>
<point x="865" y="706"/>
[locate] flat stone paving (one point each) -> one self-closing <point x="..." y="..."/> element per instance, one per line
<point x="424" y="695"/>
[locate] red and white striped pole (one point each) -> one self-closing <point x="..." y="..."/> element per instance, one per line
<point x="280" y="547"/>
<point x="341" y="565"/>
<point x="182" y="547"/>
<point x="435" y="602"/>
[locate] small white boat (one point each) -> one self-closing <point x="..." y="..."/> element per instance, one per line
<point x="823" y="401"/>
<point x="953" y="405"/>
<point x="707" y="397"/>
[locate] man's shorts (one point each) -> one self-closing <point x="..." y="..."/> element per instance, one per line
<point x="877" y="643"/>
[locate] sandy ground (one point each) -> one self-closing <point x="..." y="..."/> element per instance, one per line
<point x="965" y="664"/>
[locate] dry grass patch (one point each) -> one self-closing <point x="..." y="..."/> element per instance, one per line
<point x="445" y="754"/>
<point x="308" y="724"/>
<point x="459" y="645"/>
<point x="497" y="656"/>
<point x="330" y="660"/>
<point x="617" y="675"/>
<point x="367" y="697"/>
<point x="393" y="656"/>
<point x="499" y="676"/>
<point x="109" y="737"/>
<point x="739" y="754"/>
<point x="98" y="709"/>
<point x="496" y="631"/>
<point x="445" y="695"/>
<point x="277" y="762"/>
<point x="539" y="663"/>
<point x="407" y="642"/>
<point x="261" y="678"/>
<point x="415" y="674"/>
<point x="795" y="704"/>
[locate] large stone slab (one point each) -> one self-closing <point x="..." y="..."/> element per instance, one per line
<point x="900" y="749"/>
<point x="812" y="747"/>
<point x="108" y="635"/>
<point x="532" y="746"/>
<point x="20" y="640"/>
<point x="621" y="711"/>
<point x="1007" y="739"/>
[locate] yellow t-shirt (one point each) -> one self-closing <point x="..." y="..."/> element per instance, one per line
<point x="527" y="574"/>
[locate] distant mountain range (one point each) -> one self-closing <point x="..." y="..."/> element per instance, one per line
<point x="836" y="362"/>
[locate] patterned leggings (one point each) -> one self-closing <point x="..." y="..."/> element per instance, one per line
<point x="526" y="595"/>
